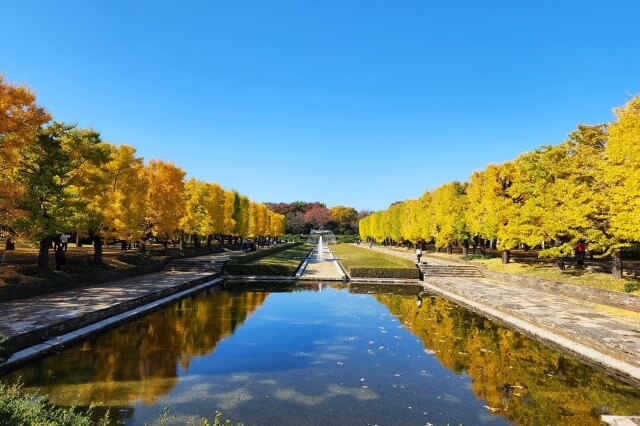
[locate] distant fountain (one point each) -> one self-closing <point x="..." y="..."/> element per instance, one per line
<point x="327" y="236"/>
<point x="319" y="249"/>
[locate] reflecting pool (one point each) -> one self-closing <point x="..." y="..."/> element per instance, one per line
<point x="318" y="354"/>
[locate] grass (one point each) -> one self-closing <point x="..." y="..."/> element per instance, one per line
<point x="625" y="313"/>
<point x="282" y="262"/>
<point x="361" y="257"/>
<point x="285" y="257"/>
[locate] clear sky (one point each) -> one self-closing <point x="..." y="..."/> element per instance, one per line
<point x="360" y="103"/>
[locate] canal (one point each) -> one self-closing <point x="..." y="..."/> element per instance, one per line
<point x="322" y="354"/>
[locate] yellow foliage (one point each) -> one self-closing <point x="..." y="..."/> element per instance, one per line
<point x="623" y="172"/>
<point x="165" y="198"/>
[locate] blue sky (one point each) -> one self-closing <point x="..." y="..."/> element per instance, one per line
<point x="360" y="103"/>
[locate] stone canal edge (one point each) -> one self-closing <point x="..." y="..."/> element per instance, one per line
<point x="84" y="325"/>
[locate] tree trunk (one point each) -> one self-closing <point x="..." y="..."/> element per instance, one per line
<point x="506" y="256"/>
<point x="449" y="249"/>
<point x="43" y="253"/>
<point x="465" y="247"/>
<point x="78" y="240"/>
<point x="143" y="247"/>
<point x="97" y="248"/>
<point x="209" y="240"/>
<point x="616" y="264"/>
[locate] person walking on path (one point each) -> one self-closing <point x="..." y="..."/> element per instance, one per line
<point x="418" y="254"/>
<point x="61" y="259"/>
<point x="581" y="248"/>
<point x="64" y="241"/>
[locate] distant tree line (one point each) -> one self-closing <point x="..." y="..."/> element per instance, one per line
<point x="586" y="188"/>
<point x="301" y="217"/>
<point x="57" y="178"/>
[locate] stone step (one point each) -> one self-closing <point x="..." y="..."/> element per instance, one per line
<point x="450" y="271"/>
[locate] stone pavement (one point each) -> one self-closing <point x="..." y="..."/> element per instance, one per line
<point x="606" y="339"/>
<point x="30" y="320"/>
<point x="323" y="268"/>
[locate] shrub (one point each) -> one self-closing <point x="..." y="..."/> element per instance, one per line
<point x="179" y="253"/>
<point x="631" y="285"/>
<point x="474" y="256"/>
<point x="17" y="409"/>
<point x="85" y="266"/>
<point x="259" y="269"/>
<point x="405" y="273"/>
<point x="138" y="259"/>
<point x="347" y="239"/>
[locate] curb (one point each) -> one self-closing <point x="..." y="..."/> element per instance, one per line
<point x="550" y="336"/>
<point x="59" y="342"/>
<point x="36" y="336"/>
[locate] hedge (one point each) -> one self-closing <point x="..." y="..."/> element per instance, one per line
<point x="259" y="269"/>
<point x="407" y="273"/>
<point x="181" y="253"/>
<point x="251" y="257"/>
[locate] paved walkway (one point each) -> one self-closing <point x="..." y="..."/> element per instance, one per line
<point x="38" y="314"/>
<point x="323" y="267"/>
<point x="605" y="338"/>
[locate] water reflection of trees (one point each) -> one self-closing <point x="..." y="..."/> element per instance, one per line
<point x="140" y="361"/>
<point x="518" y="377"/>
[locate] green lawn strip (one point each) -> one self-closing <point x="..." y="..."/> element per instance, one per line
<point x="283" y="262"/>
<point x="363" y="262"/>
<point x="286" y="257"/>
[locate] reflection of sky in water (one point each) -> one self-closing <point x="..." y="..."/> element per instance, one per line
<point x="314" y="357"/>
<point x="326" y="357"/>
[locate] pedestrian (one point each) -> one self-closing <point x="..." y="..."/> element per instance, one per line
<point x="371" y="244"/>
<point x="123" y="245"/>
<point x="61" y="259"/>
<point x="418" y="254"/>
<point x="64" y="241"/>
<point x="581" y="248"/>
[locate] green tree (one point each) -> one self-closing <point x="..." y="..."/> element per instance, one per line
<point x="51" y="168"/>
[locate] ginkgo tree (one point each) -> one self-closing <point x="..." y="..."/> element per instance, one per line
<point x="622" y="177"/>
<point x="165" y="204"/>
<point x="20" y="121"/>
<point x="51" y="168"/>
<point x="586" y="188"/>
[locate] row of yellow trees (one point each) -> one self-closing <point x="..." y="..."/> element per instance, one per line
<point x="586" y="188"/>
<point x="57" y="178"/>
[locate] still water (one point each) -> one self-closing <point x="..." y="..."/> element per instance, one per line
<point x="322" y="354"/>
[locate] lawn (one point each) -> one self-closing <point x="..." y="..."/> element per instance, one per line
<point x="286" y="257"/>
<point x="360" y="257"/>
<point x="283" y="263"/>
